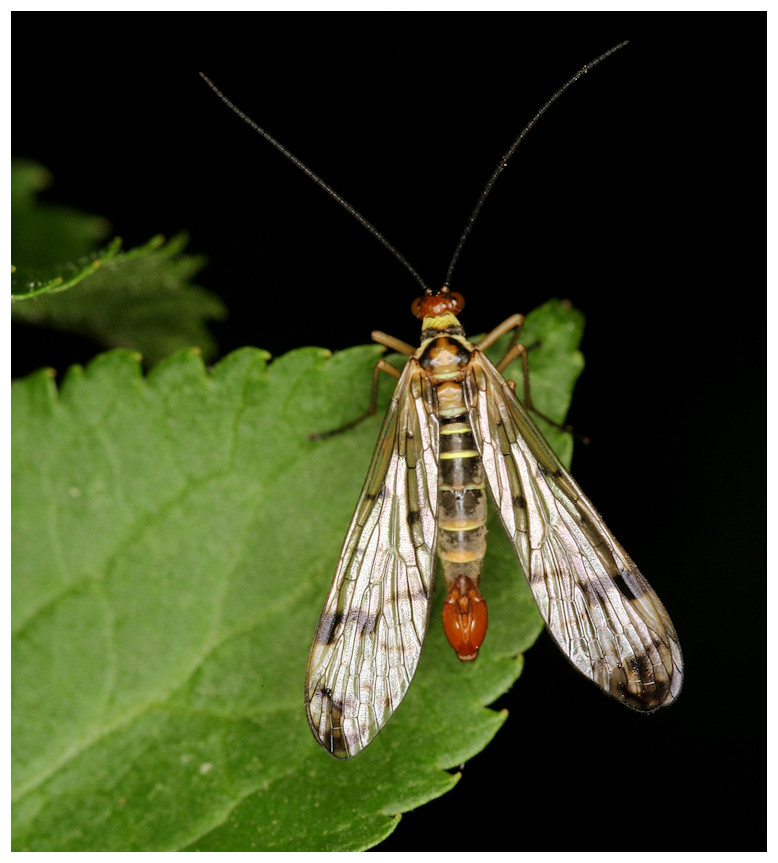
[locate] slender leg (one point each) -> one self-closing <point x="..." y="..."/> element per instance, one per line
<point x="515" y="323"/>
<point x="381" y="366"/>
<point x="393" y="343"/>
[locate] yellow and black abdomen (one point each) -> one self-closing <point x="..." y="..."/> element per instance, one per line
<point x="461" y="499"/>
<point x="461" y="503"/>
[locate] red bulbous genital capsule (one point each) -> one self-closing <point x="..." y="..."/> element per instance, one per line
<point x="465" y="618"/>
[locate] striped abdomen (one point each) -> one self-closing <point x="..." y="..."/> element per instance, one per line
<point x="461" y="500"/>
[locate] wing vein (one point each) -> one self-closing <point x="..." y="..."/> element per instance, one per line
<point x="597" y="606"/>
<point x="375" y="617"/>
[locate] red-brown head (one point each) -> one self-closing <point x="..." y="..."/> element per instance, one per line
<point x="437" y="304"/>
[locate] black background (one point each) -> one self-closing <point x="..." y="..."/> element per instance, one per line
<point x="639" y="197"/>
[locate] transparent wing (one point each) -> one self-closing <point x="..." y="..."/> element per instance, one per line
<point x="600" y="610"/>
<point x="369" y="638"/>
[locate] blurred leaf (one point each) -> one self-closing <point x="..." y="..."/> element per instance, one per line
<point x="173" y="540"/>
<point x="139" y="299"/>
<point x="44" y="236"/>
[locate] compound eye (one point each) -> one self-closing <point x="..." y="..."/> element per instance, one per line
<point x="416" y="307"/>
<point x="458" y="299"/>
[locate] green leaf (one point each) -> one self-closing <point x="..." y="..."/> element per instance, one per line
<point x="45" y="236"/>
<point x="140" y="299"/>
<point x="173" y="540"/>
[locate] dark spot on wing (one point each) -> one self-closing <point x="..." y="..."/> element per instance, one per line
<point x="325" y="631"/>
<point x="587" y="588"/>
<point x="379" y="495"/>
<point x="633" y="667"/>
<point x="336" y="743"/>
<point x="660" y="644"/>
<point x="365" y="623"/>
<point x="330" y="625"/>
<point x="650" y="698"/>
<point x="544" y="471"/>
<point x="628" y="586"/>
<point x="330" y="730"/>
<point x="592" y="532"/>
<point x="661" y="691"/>
<point x="420" y="595"/>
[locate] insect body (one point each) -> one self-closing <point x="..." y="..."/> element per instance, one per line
<point x="455" y="426"/>
<point x="453" y="429"/>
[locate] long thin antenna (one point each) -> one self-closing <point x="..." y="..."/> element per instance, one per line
<point x="511" y="150"/>
<point x="318" y="180"/>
